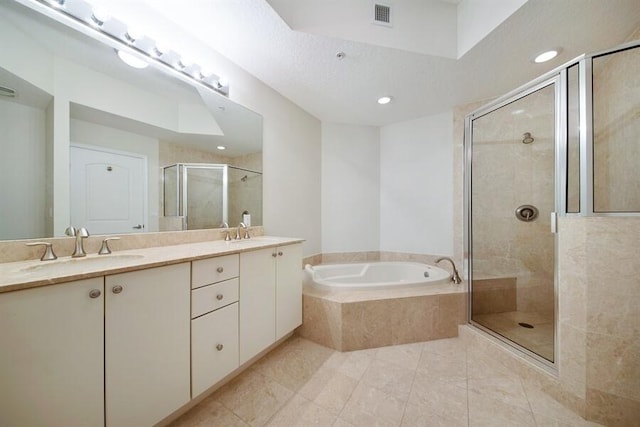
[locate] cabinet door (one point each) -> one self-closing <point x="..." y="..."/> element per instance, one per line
<point x="288" y="289"/>
<point x="214" y="347"/>
<point x="51" y="355"/>
<point x="147" y="344"/>
<point x="257" y="301"/>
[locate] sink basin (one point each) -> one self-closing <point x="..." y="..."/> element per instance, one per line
<point x="96" y="261"/>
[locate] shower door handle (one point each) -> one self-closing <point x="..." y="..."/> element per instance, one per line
<point x="554" y="222"/>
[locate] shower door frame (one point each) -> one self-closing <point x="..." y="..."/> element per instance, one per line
<point x="558" y="78"/>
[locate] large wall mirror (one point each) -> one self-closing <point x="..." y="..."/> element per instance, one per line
<point x="86" y="140"/>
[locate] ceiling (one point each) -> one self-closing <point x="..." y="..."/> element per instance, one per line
<point x="292" y="48"/>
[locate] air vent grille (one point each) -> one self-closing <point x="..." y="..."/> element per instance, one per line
<point x="8" y="92"/>
<point x="382" y="14"/>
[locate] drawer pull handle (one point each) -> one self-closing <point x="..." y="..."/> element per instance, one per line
<point x="219" y="269"/>
<point x="219" y="297"/>
<point x="219" y="347"/>
<point x="280" y="253"/>
<point x="95" y="293"/>
<point x="117" y="289"/>
<point x="274" y="254"/>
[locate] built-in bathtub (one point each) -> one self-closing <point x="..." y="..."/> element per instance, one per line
<point x="375" y="304"/>
<point x="375" y="275"/>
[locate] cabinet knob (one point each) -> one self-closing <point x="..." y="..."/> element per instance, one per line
<point x="94" y="293"/>
<point x="219" y="297"/>
<point x="116" y="289"/>
<point x="274" y="254"/>
<point x="280" y="253"/>
<point x="219" y="269"/>
<point x="219" y="347"/>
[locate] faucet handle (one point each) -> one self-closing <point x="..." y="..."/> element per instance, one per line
<point x="83" y="232"/>
<point x="104" y="249"/>
<point x="48" y="255"/>
<point x="238" y="235"/>
<point x="71" y="231"/>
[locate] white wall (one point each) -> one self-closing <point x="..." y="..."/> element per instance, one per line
<point x="350" y="188"/>
<point x="22" y="148"/>
<point x="416" y="188"/>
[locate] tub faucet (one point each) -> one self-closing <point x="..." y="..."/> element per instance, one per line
<point x="455" y="277"/>
<point x="79" y="234"/>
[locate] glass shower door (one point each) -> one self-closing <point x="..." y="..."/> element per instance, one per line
<point x="512" y="196"/>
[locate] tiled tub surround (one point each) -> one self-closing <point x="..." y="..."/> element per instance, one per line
<point x="352" y="320"/>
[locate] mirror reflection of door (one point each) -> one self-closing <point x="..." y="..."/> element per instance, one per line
<point x="108" y="190"/>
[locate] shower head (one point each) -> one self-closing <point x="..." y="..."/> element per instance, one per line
<point x="528" y="139"/>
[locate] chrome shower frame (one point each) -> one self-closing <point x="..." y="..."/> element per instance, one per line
<point x="559" y="78"/>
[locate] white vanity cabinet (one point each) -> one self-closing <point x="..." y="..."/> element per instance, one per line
<point x="147" y="341"/>
<point x="52" y="355"/>
<point x="214" y="324"/>
<point x="270" y="296"/>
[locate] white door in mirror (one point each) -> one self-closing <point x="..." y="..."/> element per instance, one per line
<point x="107" y="190"/>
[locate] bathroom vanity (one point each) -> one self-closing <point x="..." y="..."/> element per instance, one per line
<point x="127" y="339"/>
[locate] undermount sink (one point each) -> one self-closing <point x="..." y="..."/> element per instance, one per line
<point x="92" y="261"/>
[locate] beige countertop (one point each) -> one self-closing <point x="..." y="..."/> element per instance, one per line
<point x="35" y="273"/>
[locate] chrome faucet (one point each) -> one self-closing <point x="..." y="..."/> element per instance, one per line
<point x="79" y="234"/>
<point x="246" y="231"/>
<point x="227" y="237"/>
<point x="455" y="277"/>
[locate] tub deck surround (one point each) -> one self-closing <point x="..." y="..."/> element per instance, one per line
<point x="347" y="319"/>
<point x="35" y="273"/>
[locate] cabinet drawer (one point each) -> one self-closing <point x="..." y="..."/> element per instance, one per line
<point x="213" y="270"/>
<point x="214" y="347"/>
<point x="212" y="297"/>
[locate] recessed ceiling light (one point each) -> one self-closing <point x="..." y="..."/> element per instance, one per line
<point x="132" y="60"/>
<point x="384" y="100"/>
<point x="221" y="147"/>
<point x="546" y="56"/>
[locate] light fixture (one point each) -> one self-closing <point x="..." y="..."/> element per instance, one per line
<point x="99" y="16"/>
<point x="132" y="60"/>
<point x="221" y="147"/>
<point x="545" y="56"/>
<point x="135" y="48"/>
<point x="384" y="100"/>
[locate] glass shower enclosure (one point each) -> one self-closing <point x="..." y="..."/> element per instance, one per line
<point x="205" y="195"/>
<point x="566" y="144"/>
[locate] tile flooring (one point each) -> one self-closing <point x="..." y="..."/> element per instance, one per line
<point x="436" y="383"/>
<point x="538" y="339"/>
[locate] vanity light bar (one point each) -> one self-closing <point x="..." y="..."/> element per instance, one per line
<point x="96" y="23"/>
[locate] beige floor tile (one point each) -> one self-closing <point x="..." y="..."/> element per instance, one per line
<point x="545" y="421"/>
<point x="447" y="347"/>
<point x="543" y="404"/>
<point x="417" y="416"/>
<point x="329" y="388"/>
<point x="353" y="363"/>
<point x="342" y="423"/>
<point x="209" y="413"/>
<point x="447" y="367"/>
<point x="444" y="398"/>
<point x="253" y="397"/>
<point x="370" y="407"/>
<point x="504" y="389"/>
<point x="294" y="362"/>
<point x="300" y="412"/>
<point x="484" y="411"/>
<point x="405" y="355"/>
<point x="390" y="378"/>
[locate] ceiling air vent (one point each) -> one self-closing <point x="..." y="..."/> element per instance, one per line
<point x="382" y="14"/>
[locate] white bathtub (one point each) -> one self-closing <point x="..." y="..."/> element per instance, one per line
<point x="374" y="275"/>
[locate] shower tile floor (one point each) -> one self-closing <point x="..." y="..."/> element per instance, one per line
<point x="435" y="383"/>
<point x="538" y="339"/>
